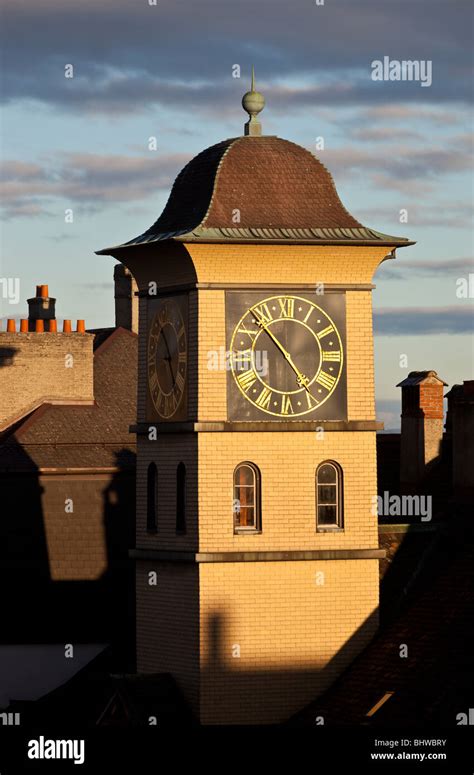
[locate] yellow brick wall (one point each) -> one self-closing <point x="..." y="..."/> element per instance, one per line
<point x="285" y="263"/>
<point x="360" y="356"/>
<point x="212" y="385"/>
<point x="295" y="635"/>
<point x="287" y="462"/>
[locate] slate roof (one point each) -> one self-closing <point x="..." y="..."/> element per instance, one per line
<point x="282" y="191"/>
<point x="61" y="436"/>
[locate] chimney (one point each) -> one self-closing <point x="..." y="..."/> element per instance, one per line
<point x="44" y="366"/>
<point x="422" y="426"/>
<point x="41" y="307"/>
<point x="126" y="303"/>
<point x="460" y="427"/>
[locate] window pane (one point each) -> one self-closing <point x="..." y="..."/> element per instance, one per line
<point x="245" y="495"/>
<point x="244" y="475"/>
<point x="246" y="505"/>
<point x="327" y="493"/>
<point x="327" y="475"/>
<point x="327" y="515"/>
<point x="246" y="517"/>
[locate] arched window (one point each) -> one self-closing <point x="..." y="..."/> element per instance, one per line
<point x="246" y="504"/>
<point x="181" y="498"/>
<point x="329" y="501"/>
<point x="152" y="498"/>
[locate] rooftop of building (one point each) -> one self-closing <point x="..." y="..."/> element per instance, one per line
<point x="257" y="188"/>
<point x="74" y="437"/>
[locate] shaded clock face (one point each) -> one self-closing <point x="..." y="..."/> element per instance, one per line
<point x="167" y="359"/>
<point x="286" y="356"/>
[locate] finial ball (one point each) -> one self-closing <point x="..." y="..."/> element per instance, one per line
<point x="253" y="102"/>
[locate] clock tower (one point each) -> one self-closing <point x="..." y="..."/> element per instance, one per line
<point x="256" y="546"/>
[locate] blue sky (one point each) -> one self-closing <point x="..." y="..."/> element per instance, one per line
<point x="166" y="71"/>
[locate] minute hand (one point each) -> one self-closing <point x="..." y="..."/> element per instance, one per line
<point x="302" y="380"/>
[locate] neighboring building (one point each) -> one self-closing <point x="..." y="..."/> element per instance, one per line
<point x="67" y="479"/>
<point x="257" y="558"/>
<point x="422" y="426"/>
<point x="418" y="672"/>
<point x="460" y="431"/>
<point x="430" y="456"/>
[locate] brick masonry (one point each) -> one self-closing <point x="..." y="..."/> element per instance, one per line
<point x="33" y="370"/>
<point x="295" y="636"/>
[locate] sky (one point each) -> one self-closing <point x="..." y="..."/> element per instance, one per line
<point x="400" y="152"/>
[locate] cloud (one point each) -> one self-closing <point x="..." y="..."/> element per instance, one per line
<point x="401" y="161"/>
<point x="457" y="215"/>
<point x="124" y="51"/>
<point x="440" y="269"/>
<point x="89" y="180"/>
<point x="18" y="208"/>
<point x="384" y="133"/>
<point x="402" y="111"/>
<point x="389" y="410"/>
<point x="95" y="180"/>
<point x="416" y="321"/>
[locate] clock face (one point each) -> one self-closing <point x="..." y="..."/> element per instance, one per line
<point x="167" y="359"/>
<point x="287" y="356"/>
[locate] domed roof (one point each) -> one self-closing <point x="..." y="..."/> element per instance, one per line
<point x="274" y="184"/>
<point x="260" y="189"/>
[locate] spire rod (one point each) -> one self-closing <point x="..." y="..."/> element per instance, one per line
<point x="253" y="102"/>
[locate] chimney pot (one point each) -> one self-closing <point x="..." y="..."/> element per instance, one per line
<point x="67" y="327"/>
<point x="81" y="326"/>
<point x="41" y="306"/>
<point x="24" y="326"/>
<point x="11" y="326"/>
<point x="39" y="326"/>
<point x="53" y="326"/>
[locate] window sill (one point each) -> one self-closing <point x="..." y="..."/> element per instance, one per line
<point x="330" y="529"/>
<point x="246" y="531"/>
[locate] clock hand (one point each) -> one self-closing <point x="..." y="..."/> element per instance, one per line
<point x="301" y="379"/>
<point x="168" y="357"/>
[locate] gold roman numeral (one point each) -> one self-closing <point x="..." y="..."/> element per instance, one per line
<point x="325" y="332"/>
<point x="331" y="355"/>
<point x="246" y="380"/>
<point x="251" y="332"/>
<point x="286" y="407"/>
<point x="262" y="313"/>
<point x="263" y="401"/>
<point x="242" y="357"/>
<point x="325" y="379"/>
<point x="305" y="319"/>
<point x="287" y="307"/>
